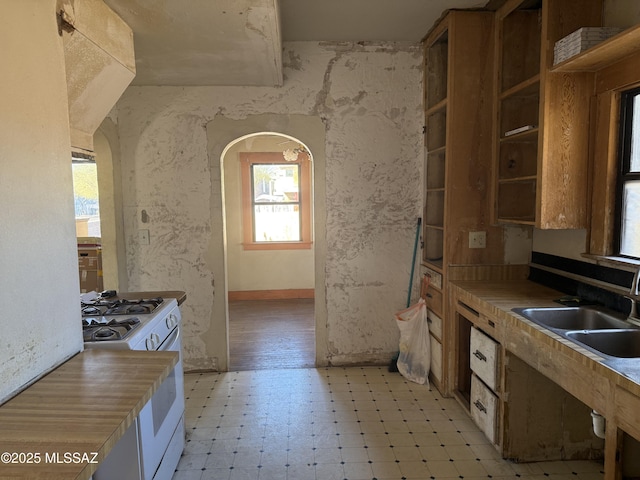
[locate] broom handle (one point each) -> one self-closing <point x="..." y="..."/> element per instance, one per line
<point x="413" y="260"/>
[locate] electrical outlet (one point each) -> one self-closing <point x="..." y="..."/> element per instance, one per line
<point x="143" y="237"/>
<point x="477" y="239"/>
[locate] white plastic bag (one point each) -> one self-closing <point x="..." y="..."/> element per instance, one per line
<point x="414" y="360"/>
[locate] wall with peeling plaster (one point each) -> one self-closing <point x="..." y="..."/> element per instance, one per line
<point x="369" y="100"/>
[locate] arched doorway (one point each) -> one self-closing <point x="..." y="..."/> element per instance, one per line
<point x="221" y="132"/>
<point x="268" y="209"/>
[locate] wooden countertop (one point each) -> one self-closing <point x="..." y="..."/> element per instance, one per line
<point x="84" y="406"/>
<point x="499" y="297"/>
<point x="180" y="296"/>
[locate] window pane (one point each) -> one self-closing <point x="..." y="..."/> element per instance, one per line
<point x="630" y="222"/>
<point x="85" y="196"/>
<point x="634" y="160"/>
<point x="275" y="183"/>
<point x="277" y="223"/>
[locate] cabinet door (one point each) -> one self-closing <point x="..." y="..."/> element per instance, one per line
<point x="484" y="408"/>
<point x="433" y="298"/>
<point x="435" y="324"/>
<point x="484" y="358"/>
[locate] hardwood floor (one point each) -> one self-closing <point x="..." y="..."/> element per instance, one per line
<point x="271" y="334"/>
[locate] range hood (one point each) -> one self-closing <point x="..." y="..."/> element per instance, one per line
<point x="99" y="62"/>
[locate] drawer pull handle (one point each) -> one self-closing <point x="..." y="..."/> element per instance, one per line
<point x="478" y="354"/>
<point x="492" y="324"/>
<point x="478" y="404"/>
<point x="428" y="295"/>
<point x="467" y="307"/>
<point x="429" y="321"/>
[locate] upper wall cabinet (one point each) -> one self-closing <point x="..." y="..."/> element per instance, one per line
<point x="541" y="118"/>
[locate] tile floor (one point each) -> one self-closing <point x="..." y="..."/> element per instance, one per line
<point x="339" y="423"/>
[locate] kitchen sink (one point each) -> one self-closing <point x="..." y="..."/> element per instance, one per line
<point x="615" y="343"/>
<point x="603" y="331"/>
<point x="574" y="318"/>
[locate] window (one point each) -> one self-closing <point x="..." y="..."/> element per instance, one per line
<point x="628" y="185"/>
<point x="276" y="197"/>
<point x="85" y="197"/>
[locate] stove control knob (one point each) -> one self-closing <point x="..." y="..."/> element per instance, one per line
<point x="152" y="342"/>
<point x="171" y="321"/>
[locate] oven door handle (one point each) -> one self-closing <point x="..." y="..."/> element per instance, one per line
<point x="171" y="341"/>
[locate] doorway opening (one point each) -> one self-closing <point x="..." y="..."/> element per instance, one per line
<point x="268" y="209"/>
<point x="271" y="334"/>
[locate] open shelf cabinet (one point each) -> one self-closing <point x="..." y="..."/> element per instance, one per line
<point x="540" y="173"/>
<point x="458" y="76"/>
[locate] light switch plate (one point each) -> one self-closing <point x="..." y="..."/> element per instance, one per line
<point x="143" y="237"/>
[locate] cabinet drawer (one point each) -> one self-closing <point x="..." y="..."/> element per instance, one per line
<point x="436" y="358"/>
<point x="435" y="324"/>
<point x="433" y="298"/>
<point x="484" y="408"/>
<point x="435" y="279"/>
<point x="485" y="358"/>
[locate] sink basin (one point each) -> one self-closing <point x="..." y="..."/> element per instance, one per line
<point x="574" y="318"/>
<point x="615" y="343"/>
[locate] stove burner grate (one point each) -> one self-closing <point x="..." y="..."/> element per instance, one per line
<point x="120" y="307"/>
<point x="94" y="330"/>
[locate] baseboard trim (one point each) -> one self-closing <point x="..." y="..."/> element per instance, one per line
<point x="271" y="294"/>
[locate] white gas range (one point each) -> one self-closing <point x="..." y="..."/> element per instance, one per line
<point x="139" y="324"/>
<point x="152" y="447"/>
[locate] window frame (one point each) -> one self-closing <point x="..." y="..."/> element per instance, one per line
<point x="247" y="160"/>
<point x="624" y="174"/>
<point x="610" y="83"/>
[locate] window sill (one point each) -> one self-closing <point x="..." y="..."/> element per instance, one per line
<point x="278" y="246"/>
<point x="622" y="263"/>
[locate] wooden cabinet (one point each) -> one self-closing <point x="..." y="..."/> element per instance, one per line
<point x="484" y="363"/>
<point x="436" y="360"/>
<point x="433" y="300"/>
<point x="484" y="408"/>
<point x="478" y="370"/>
<point x="612" y="66"/>
<point x="435" y="79"/>
<point x="458" y="74"/>
<point x="435" y="336"/>
<point x="541" y="117"/>
<point x="485" y="358"/>
<point x="517" y="106"/>
<point x="525" y="415"/>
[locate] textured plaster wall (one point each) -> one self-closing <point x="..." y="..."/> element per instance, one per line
<point x="368" y="98"/>
<point x="38" y="256"/>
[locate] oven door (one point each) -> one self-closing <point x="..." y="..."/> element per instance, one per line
<point x="162" y="415"/>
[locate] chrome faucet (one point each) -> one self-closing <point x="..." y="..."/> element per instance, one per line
<point x="634" y="296"/>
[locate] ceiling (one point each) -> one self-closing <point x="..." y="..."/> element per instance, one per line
<point x="239" y="42"/>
